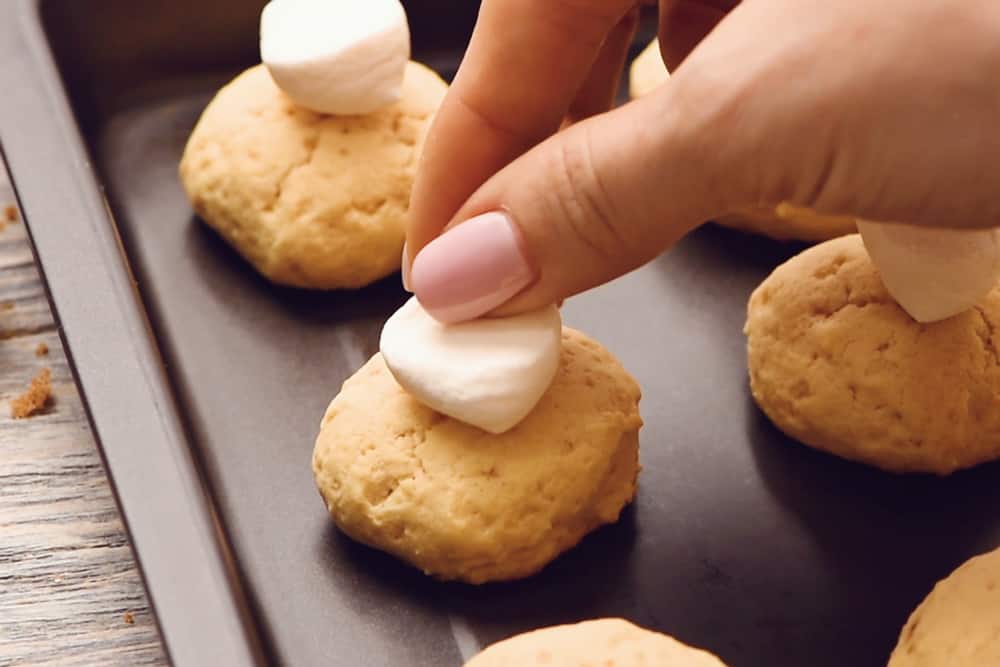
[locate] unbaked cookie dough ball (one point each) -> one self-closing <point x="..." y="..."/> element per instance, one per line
<point x="784" y="222"/>
<point x="460" y="503"/>
<point x="311" y="200"/>
<point x="838" y="365"/>
<point x="606" y="642"/>
<point x="958" y="624"/>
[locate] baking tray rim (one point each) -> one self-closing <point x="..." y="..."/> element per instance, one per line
<point x="185" y="563"/>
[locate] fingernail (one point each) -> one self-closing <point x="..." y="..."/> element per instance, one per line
<point x="471" y="269"/>
<point x="404" y="269"/>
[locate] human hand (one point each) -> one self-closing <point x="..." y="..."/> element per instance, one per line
<point x="884" y="113"/>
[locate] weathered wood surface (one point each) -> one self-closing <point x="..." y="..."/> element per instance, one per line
<point x="70" y="593"/>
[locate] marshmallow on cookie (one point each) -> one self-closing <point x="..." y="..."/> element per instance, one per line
<point x="340" y="57"/>
<point x="489" y="372"/>
<point x="933" y="274"/>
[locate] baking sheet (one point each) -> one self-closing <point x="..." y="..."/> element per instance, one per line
<point x="740" y="541"/>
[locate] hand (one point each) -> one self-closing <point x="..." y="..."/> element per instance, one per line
<point x="885" y="112"/>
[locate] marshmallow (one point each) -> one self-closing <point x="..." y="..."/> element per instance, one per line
<point x="934" y="273"/>
<point x="336" y="56"/>
<point x="488" y="372"/>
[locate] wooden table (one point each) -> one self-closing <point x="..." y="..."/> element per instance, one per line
<point x="70" y="593"/>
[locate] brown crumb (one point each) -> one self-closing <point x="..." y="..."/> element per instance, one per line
<point x="41" y="350"/>
<point x="10" y="213"/>
<point x="7" y="305"/>
<point x="34" y="398"/>
<point x="129" y="618"/>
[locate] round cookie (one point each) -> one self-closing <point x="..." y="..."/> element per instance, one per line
<point x="958" y="624"/>
<point x="784" y="222"/>
<point x="311" y="200"/>
<point x="836" y="364"/>
<point x="606" y="642"/>
<point x="460" y="503"/>
<point x="647" y="71"/>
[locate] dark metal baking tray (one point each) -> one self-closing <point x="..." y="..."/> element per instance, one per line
<point x="205" y="387"/>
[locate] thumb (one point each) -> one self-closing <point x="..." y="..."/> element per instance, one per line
<point x="589" y="204"/>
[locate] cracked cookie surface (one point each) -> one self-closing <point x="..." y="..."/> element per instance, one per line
<point x="958" y="624"/>
<point x="311" y="200"/>
<point x="836" y="364"/>
<point x="605" y="642"/>
<point x="460" y="503"/>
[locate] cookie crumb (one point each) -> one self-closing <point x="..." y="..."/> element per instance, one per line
<point x="129" y="618"/>
<point x="35" y="397"/>
<point x="10" y="213"/>
<point x="41" y="350"/>
<point x="7" y="305"/>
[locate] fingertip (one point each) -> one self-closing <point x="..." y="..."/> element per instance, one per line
<point x="471" y="269"/>
<point x="528" y="300"/>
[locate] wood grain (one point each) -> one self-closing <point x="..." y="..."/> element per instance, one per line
<point x="68" y="581"/>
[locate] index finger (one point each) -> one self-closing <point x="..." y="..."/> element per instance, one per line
<point x="525" y="63"/>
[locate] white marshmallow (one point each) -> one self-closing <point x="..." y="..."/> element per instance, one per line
<point x="488" y="372"/>
<point x="933" y="273"/>
<point x="336" y="56"/>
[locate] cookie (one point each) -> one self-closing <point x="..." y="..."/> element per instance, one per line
<point x="836" y="364"/>
<point x="311" y="200"/>
<point x="460" y="503"/>
<point x="647" y="71"/>
<point x="958" y="624"/>
<point x="606" y="642"/>
<point x="784" y="222"/>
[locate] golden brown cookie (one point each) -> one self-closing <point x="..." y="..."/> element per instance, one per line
<point x="460" y="503"/>
<point x="958" y="624"/>
<point x="647" y="71"/>
<point x="838" y="365"/>
<point x="784" y="222"/>
<point x="606" y="642"/>
<point x="311" y="200"/>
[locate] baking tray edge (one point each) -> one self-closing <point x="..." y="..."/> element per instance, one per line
<point x="200" y="609"/>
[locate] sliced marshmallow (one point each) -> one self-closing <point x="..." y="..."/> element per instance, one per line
<point x="934" y="273"/>
<point x="488" y="372"/>
<point x="336" y="56"/>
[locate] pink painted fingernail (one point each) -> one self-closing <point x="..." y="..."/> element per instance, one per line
<point x="471" y="269"/>
<point x="404" y="269"/>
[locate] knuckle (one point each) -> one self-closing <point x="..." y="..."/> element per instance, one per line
<point x="582" y="203"/>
